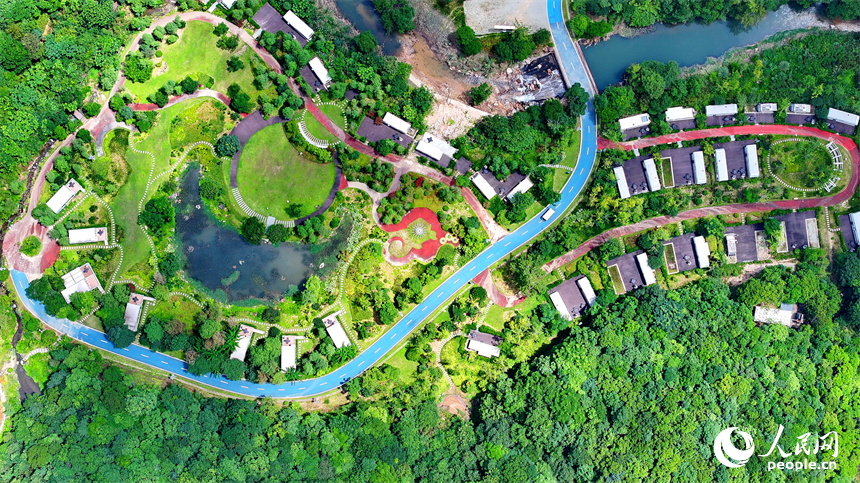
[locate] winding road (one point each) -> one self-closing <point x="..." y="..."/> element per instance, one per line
<point x="401" y="330"/>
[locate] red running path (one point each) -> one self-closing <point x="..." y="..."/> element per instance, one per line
<point x="840" y="197"/>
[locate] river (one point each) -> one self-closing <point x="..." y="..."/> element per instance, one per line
<point x="687" y="44"/>
<point x="235" y="270"/>
<point x="363" y="16"/>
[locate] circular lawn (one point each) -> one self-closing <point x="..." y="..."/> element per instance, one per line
<point x="273" y="176"/>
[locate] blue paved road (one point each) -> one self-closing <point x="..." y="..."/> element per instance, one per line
<point x="373" y="354"/>
<point x="570" y="60"/>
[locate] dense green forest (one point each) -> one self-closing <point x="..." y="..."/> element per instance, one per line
<point x="745" y="13"/>
<point x="819" y="68"/>
<point x="637" y="393"/>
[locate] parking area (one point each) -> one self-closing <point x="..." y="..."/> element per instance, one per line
<point x="684" y="255"/>
<point x="841" y="127"/>
<point x="745" y="244"/>
<point x="736" y="161"/>
<point x="847" y="234"/>
<point x="799" y="119"/>
<point x="801" y="229"/>
<point x="683" y="125"/>
<point x="760" y="117"/>
<point x="631" y="277"/>
<point x="372" y="132"/>
<point x="635" y="133"/>
<point x="712" y="121"/>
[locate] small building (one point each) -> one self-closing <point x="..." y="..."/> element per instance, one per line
<point x="486" y="345"/>
<point x="721" y="165"/>
<point x="289" y="351"/>
<point x="784" y="315"/>
<point x="843" y="117"/>
<point x="647" y="272"/>
<point x="246" y="333"/>
<point x="88" y="235"/>
<point x="436" y="149"/>
<point x="703" y="252"/>
<point x="800" y="108"/>
<point x="721" y="110"/>
<point x="133" y="309"/>
<point x="674" y="114"/>
<point x="462" y="165"/>
<point x="521" y="187"/>
<point x="298" y="25"/>
<point x="320" y="71"/>
<point x="700" y="175"/>
<point x="621" y="180"/>
<point x="227" y="4"/>
<point x="336" y="331"/>
<point x="80" y="280"/>
<point x="634" y="122"/>
<point x="63" y="195"/>
<point x="572" y="297"/>
<point x="483" y="186"/>
<point x="396" y="123"/>
<point x="854" y="220"/>
<point x="751" y="154"/>
<point x="766" y="107"/>
<point x="651" y="174"/>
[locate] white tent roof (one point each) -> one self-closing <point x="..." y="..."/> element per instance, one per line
<point x="246" y="333"/>
<point x="800" y="108"/>
<point x="621" y="180"/>
<point x="396" y="123"/>
<point x="484" y="187"/>
<point x="336" y="332"/>
<point x="320" y="71"/>
<point x="651" y="174"/>
<point x="632" y="122"/>
<point x="703" y="251"/>
<point x="429" y="150"/>
<point x="722" y="167"/>
<point x="752" y="160"/>
<point x="854" y="218"/>
<point x="767" y="107"/>
<point x="767" y="315"/>
<point x="521" y="187"/>
<point x="721" y="110"/>
<point x="647" y="272"/>
<point x="587" y="290"/>
<point x="843" y="117"/>
<point x="299" y="25"/>
<point x="699" y="173"/>
<point x="680" y="114"/>
<point x="63" y="195"/>
<point x="289" y="344"/>
<point x="88" y="235"/>
<point x="555" y="297"/>
<point x="433" y="145"/>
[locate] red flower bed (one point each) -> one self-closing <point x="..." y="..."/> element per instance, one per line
<point x="429" y="247"/>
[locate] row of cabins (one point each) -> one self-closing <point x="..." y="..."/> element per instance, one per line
<point x="83" y="279"/>
<point x="681" y="118"/>
<point x="681" y="253"/>
<point x="686" y="166"/>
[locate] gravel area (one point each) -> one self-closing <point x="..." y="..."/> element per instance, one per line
<point x="483" y="15"/>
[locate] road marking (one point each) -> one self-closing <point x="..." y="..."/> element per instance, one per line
<point x="473" y="266"/>
<point x="571" y="189"/>
<point x="425" y="308"/>
<point x="82" y="332"/>
<point x="508" y="243"/>
<point x="164" y="362"/>
<point x="393" y="335"/>
<point x="259" y="388"/>
<point x="302" y="388"/>
<point x="223" y="382"/>
<point x="526" y="232"/>
<point x="144" y="355"/>
<point x="457" y="281"/>
<point x="244" y="387"/>
<point x="280" y="389"/>
<point x="377" y="350"/>
<point x="362" y="362"/>
<point x="581" y="170"/>
<point x="323" y="384"/>
<point x="588" y="150"/>
<point x="126" y="349"/>
<point x="342" y="375"/>
<point x="589" y="128"/>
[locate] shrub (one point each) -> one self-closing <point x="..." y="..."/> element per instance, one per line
<point x="31" y="246"/>
<point x="137" y="69"/>
<point x="253" y="230"/>
<point x="221" y="29"/>
<point x="235" y="64"/>
<point x="91" y="109"/>
<point x="227" y="145"/>
<point x="468" y="41"/>
<point x="480" y="93"/>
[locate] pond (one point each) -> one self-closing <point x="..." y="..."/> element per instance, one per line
<point x="363" y="17"/>
<point x="687" y="44"/>
<point x="234" y="270"/>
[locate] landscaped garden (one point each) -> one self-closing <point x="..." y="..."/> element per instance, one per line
<point x="803" y="164"/>
<point x="197" y="55"/>
<point x="274" y="176"/>
<point x="410" y="238"/>
<point x="317" y="130"/>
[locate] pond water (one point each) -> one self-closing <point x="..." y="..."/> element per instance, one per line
<point x="363" y="16"/>
<point x="687" y="44"/>
<point x="214" y="254"/>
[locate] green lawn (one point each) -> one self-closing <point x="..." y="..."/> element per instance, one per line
<point x="334" y="113"/>
<point x="196" y="53"/>
<point x="671" y="262"/>
<point x="272" y="175"/>
<point x="571" y="158"/>
<point x="617" y="283"/>
<point x="668" y="176"/>
<point x="804" y="164"/>
<point x="135" y="245"/>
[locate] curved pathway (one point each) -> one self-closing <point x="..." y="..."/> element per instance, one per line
<point x="836" y="199"/>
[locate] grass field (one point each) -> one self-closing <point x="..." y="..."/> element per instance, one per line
<point x="200" y="122"/>
<point x="135" y="245"/>
<point x="334" y="113"/>
<point x="571" y="158"/>
<point x="804" y="164"/>
<point x="196" y="53"/>
<point x="273" y="175"/>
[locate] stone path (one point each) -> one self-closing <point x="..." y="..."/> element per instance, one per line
<point x="438" y="352"/>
